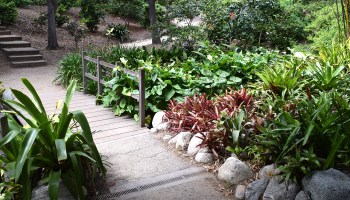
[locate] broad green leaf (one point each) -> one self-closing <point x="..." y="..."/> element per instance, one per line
<point x="54" y="184"/>
<point x="70" y="92"/>
<point x="8" y="138"/>
<point x="34" y="94"/>
<point x="77" y="175"/>
<point x="28" y="141"/>
<point x="86" y="133"/>
<point x="61" y="149"/>
<point x="169" y="94"/>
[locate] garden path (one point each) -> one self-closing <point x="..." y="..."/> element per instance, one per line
<point x="141" y="166"/>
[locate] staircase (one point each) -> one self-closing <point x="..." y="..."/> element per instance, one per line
<point x="19" y="52"/>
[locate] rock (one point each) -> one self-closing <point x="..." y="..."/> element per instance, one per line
<point x="234" y="171"/>
<point x="328" y="184"/>
<point x="42" y="193"/>
<point x="7" y="95"/>
<point x="278" y="190"/>
<point x="204" y="156"/>
<point x="158" y="119"/>
<point x="302" y="196"/>
<point x="234" y="155"/>
<point x="268" y="171"/>
<point x="183" y="140"/>
<point x="256" y="189"/>
<point x="153" y="130"/>
<point x="167" y="138"/>
<point x="174" y="139"/>
<point x="162" y="127"/>
<point x="193" y="146"/>
<point x="240" y="191"/>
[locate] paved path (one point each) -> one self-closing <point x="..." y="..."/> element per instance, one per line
<point x="141" y="166"/>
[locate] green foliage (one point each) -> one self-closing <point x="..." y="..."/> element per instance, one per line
<point x="265" y="22"/>
<point x="129" y="10"/>
<point x="118" y="31"/>
<point x="91" y="13"/>
<point x="50" y="143"/>
<point x="186" y="34"/>
<point x="323" y="26"/>
<point x="8" y="12"/>
<point x="22" y="3"/>
<point x="161" y="11"/>
<point x="61" y="14"/>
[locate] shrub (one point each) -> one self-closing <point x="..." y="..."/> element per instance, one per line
<point x="118" y="31"/>
<point x="8" y="12"/>
<point x="132" y="9"/>
<point x="50" y="148"/>
<point x="91" y="14"/>
<point x="266" y="23"/>
<point x="76" y="31"/>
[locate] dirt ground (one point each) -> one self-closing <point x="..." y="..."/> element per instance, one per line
<point x="38" y="37"/>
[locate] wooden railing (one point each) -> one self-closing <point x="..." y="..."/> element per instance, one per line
<point x="98" y="78"/>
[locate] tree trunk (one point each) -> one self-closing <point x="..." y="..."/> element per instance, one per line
<point x="153" y="21"/>
<point x="52" y="36"/>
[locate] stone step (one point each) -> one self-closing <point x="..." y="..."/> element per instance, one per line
<point x="9" y="38"/>
<point x="21" y="51"/>
<point x="2" y="27"/>
<point x="5" y="32"/>
<point x="15" y="44"/>
<point x="26" y="58"/>
<point x="34" y="63"/>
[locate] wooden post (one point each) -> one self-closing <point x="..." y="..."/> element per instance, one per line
<point x="99" y="76"/>
<point x="84" y="72"/>
<point x="116" y="71"/>
<point x="142" y="99"/>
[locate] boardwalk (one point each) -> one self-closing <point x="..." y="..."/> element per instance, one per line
<point x="105" y="125"/>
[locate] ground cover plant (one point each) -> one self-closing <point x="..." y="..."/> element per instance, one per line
<point x="49" y="148"/>
<point x="170" y="74"/>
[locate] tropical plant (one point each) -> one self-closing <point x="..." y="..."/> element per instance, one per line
<point x="325" y="77"/>
<point x="118" y="31"/>
<point x="50" y="148"/>
<point x="91" y="14"/>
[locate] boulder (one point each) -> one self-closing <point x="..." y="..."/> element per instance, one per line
<point x="277" y="189"/>
<point x="153" y="130"/>
<point x="183" y="140"/>
<point x="167" y="138"/>
<point x="268" y="171"/>
<point x="302" y="196"/>
<point x="240" y="191"/>
<point x="174" y="139"/>
<point x="7" y="95"/>
<point x="204" y="156"/>
<point x="328" y="184"/>
<point x="158" y="119"/>
<point x="234" y="171"/>
<point x="193" y="146"/>
<point x="162" y="126"/>
<point x="256" y="189"/>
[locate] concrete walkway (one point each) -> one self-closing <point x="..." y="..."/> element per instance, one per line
<point x="141" y="166"/>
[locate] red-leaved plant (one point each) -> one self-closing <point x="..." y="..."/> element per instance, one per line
<point x="200" y="115"/>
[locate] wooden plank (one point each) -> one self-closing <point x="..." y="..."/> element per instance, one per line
<point x="113" y="126"/>
<point x="106" y="64"/>
<point x="88" y="58"/>
<point x="130" y="72"/>
<point x="91" y="77"/>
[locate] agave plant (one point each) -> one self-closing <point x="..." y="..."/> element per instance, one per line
<point x="49" y="148"/>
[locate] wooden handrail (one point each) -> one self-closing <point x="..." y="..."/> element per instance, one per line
<point x="140" y="75"/>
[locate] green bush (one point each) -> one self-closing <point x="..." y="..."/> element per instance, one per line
<point x="265" y="22"/>
<point x="8" y="12"/>
<point x="90" y="14"/>
<point x="49" y="149"/>
<point x="118" y="31"/>
<point x="129" y="10"/>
